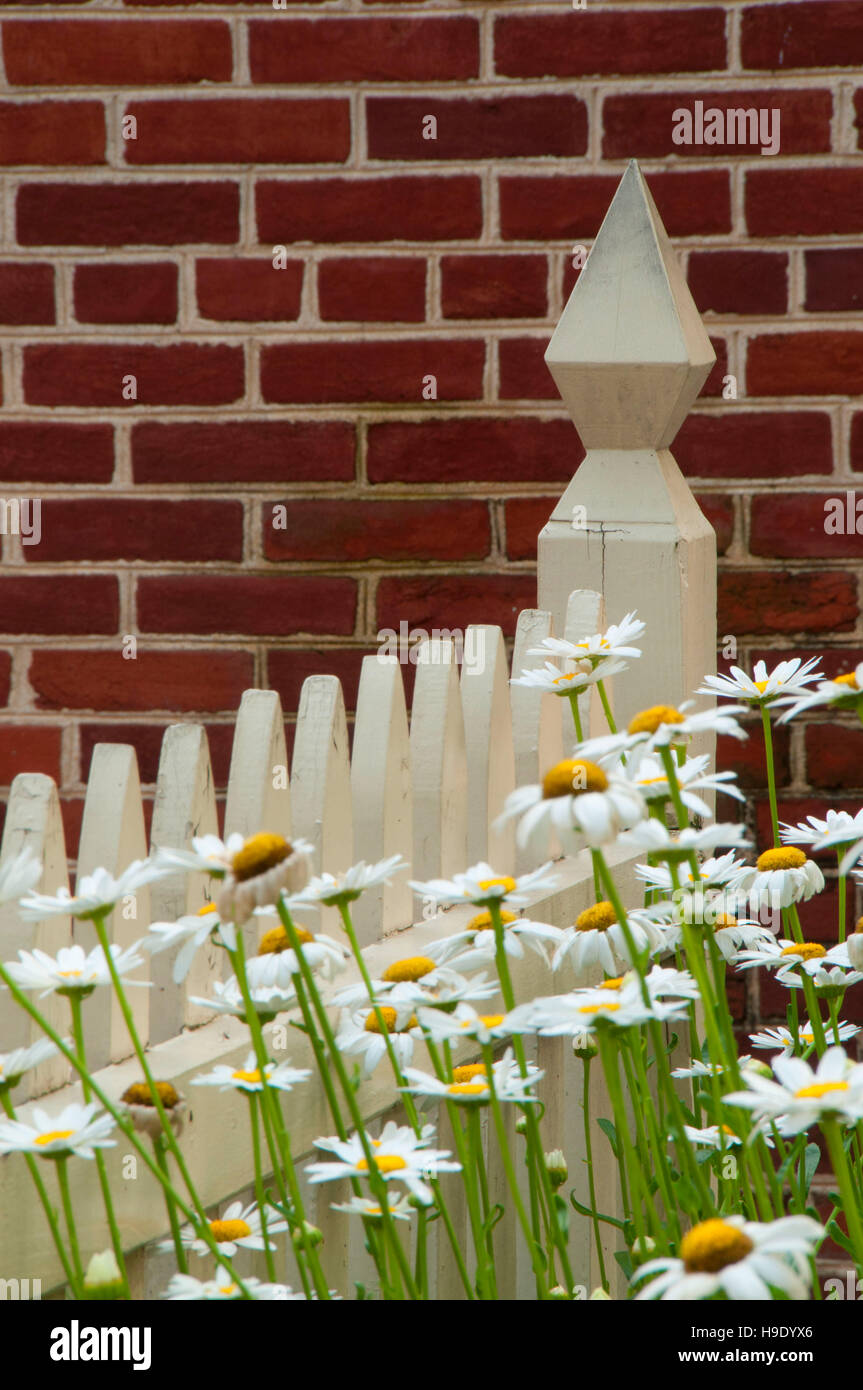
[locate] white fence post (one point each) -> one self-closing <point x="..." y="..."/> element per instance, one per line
<point x="629" y="356"/>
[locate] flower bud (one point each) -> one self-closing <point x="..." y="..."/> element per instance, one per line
<point x="600" y="1294"/>
<point x="103" y="1279"/>
<point x="558" y="1292"/>
<point x="854" y="946"/>
<point x="307" y="1235"/>
<point x="555" y="1163"/>
<point x="642" y="1249"/>
<point x="521" y="1125"/>
<point x="584" y="1047"/>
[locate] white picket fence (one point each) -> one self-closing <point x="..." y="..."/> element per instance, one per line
<point x="428" y="787"/>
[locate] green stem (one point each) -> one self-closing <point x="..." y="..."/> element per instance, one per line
<point x="536" y="1256"/>
<point x="63" y="1182"/>
<point x="576" y="717"/>
<point x="254" y="1121"/>
<point x="849" y="1193"/>
<point x="771" y="774"/>
<point x="591" y="1183"/>
<point x="609" y="717"/>
<point x="179" y="1248"/>
<point x="47" y="1204"/>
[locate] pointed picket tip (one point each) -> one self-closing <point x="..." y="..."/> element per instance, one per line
<point x="630" y="353"/>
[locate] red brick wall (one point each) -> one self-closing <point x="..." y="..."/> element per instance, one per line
<point x="405" y="257"/>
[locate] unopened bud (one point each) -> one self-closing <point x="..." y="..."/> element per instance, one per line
<point x="642" y="1249"/>
<point x="584" y="1047"/>
<point x="558" y="1292"/>
<point x="306" y="1235"/>
<point x="103" y="1279"/>
<point x="521" y="1125"/>
<point x="600" y="1293"/>
<point x="556" y="1165"/>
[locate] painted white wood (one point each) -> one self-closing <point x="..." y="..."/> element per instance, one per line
<point x="381" y="793"/>
<point x="537" y="718"/>
<point x="259" y="795"/>
<point x="487" y="714"/>
<point x="585" y="616"/>
<point x="321" y="783"/>
<point x="185" y="806"/>
<point x="33" y="818"/>
<point x="438" y="765"/>
<point x="112" y="836"/>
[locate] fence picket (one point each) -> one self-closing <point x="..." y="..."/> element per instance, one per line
<point x="438" y="764"/>
<point x="488" y="741"/>
<point x="537" y="725"/>
<point x="259" y="796"/>
<point x="585" y="615"/>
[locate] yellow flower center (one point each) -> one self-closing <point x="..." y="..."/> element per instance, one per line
<point x="786" y="857"/>
<point x="206" y="909"/>
<point x="598" y="1008"/>
<point x="858" y="925"/>
<point x="761" y="686"/>
<point x="385" y="1163"/>
<point x="252" y="1076"/>
<point x="806" y="950"/>
<point x="819" y="1089"/>
<point x="572" y="776"/>
<point x="613" y="983"/>
<point x="387" y="1013"/>
<point x="506" y="882"/>
<point x="850" y="678"/>
<point x="568" y="677"/>
<point x="723" y="921"/>
<point x="52" y="1135"/>
<point x="227" y="1289"/>
<point x="258" y="854"/>
<point x="467" y="1088"/>
<point x="649" y="720"/>
<point x="713" y="1244"/>
<point x="276" y="940"/>
<point x="70" y="974"/>
<point x="726" y="1129"/>
<point x="488" y="1021"/>
<point x="468" y="1071"/>
<point x="597" y="918"/>
<point x="482" y="921"/>
<point x="229" y="1230"/>
<point x="139" y="1094"/>
<point x="411" y="968"/>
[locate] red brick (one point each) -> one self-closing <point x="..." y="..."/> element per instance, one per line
<point x="277" y="605"/>
<point x="523" y="373"/>
<point x="713" y="384"/>
<point x="248" y="451"/>
<point x="227" y="130"/>
<point x="5" y="676"/>
<point x="288" y="667"/>
<point x="146" y="739"/>
<point x="642" y="125"/>
<point x="58" y="603"/>
<point x="856" y="442"/>
<point x="792" y="525"/>
<point x="525" y="518"/>
<point x="363" y="50"/>
<point x="814" y="35"/>
<point x="834" y="756"/>
<point x="143" y="293"/>
<point x="774" y="601"/>
<point x="26" y="293"/>
<point x="248" y="290"/>
<point x="52" y="132"/>
<point x="38" y="451"/>
<point x="739" y="282"/>
<point x="156" y="680"/>
<point x="115" y="53"/>
<point x="720" y="513"/>
<point x="144" y="214"/>
<point x="450" y="601"/>
<point x="352" y="530"/>
<point x="804" y="202"/>
<point x="755" y="444"/>
<point x="140" y="4"/>
<point x="834" y="281"/>
<point x="380" y="289"/>
<point x="572" y="206"/>
<point x="501" y="127"/>
<point x="486" y="287"/>
<point x="805" y="364"/>
<point x="369" y="209"/>
<point x="92" y="374"/>
<point x="509" y="449"/>
<point x="746" y="759"/>
<point x="29" y="748"/>
<point x="577" y="45"/>
<point x="377" y="370"/>
<point x="132" y="528"/>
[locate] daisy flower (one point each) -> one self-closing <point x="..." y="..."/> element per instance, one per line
<point x="187" y="1287"/>
<point x="602" y="645"/>
<point x="470" y="1084"/>
<point x="261" y="870"/>
<point x="712" y="1137"/>
<point x="597" y="938"/>
<point x="645" y="770"/>
<point x="463" y="1023"/>
<point x="208" y="855"/>
<point x="481" y="885"/>
<point x="789" y="678"/>
<point x="800" y="1097"/>
<point x="333" y="889"/>
<point x="402" y="1208"/>
<point x="94" y="895"/>
<point x="239" y="1228"/>
<point x="13" y="1065"/>
<point x="781" y="877"/>
<point x="138" y="1104"/>
<point x="738" y="1259"/>
<point x="192" y="931"/>
<point x="280" y="1077"/>
<point x="836" y="831"/>
<point x="576" y="802"/>
<point x="276" y="963"/>
<point x="398" y="1155"/>
<point x="773" y="1038"/>
<point x="438" y="987"/>
<point x="731" y="934"/>
<point x="655" y="837"/>
<point x="788" y="956"/>
<point x="475" y="946"/>
<point x="662" y="725"/>
<point x="552" y="681"/>
<point x="360" y="1035"/>
<point x="268" y="1000"/>
<point x="716" y="872"/>
<point x="72" y="970"/>
<point x="698" y="1069"/>
<point x="843" y="692"/>
<point x="77" y="1129"/>
<point x="618" y="1002"/>
<point x="19" y="875"/>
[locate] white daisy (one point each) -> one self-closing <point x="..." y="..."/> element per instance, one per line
<point x="575" y="802"/>
<point x="463" y="1023"/>
<point x="712" y="1138"/>
<point x="469" y="1085"/>
<point x="332" y="889"/>
<point x="72" y="970"/>
<point x="698" y="1069"/>
<point x="209" y="855"/>
<point x="262" y="870"/>
<point x="655" y="837"/>
<point x="438" y="987"/>
<point x="268" y="1000"/>
<point x="800" y="1097"/>
<point x="787" y="957"/>
<point x="716" y="872"/>
<point x="837" y="831"/>
<point x="475" y="946"/>
<point x="551" y="680"/>
<point x="482" y="886"/>
<point x="662" y="725"/>
<point x="739" y="1259"/>
<point x="772" y="1039"/>
<point x="597" y="938"/>
<point x="398" y="1155"/>
<point x="192" y="930"/>
<point x="277" y="964"/>
<point x="645" y="770"/>
<point x="238" y="1228"/>
<point x="842" y="692"/>
<point x="731" y="934"/>
<point x="95" y="894"/>
<point x="360" y="1035"/>
<point x="618" y="1002"/>
<point x="789" y="678"/>
<point x="780" y="877"/>
<point x="77" y="1129"/>
<point x="19" y="875"/>
<point x="13" y="1065"/>
<point x="187" y="1287"/>
<point x="280" y="1077"/>
<point x="599" y="647"/>
<point x="402" y="1208"/>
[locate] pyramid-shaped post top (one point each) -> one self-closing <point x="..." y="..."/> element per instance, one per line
<point x="630" y="353"/>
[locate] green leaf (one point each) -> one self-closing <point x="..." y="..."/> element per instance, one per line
<point x="362" y="1295"/>
<point x="561" y="1212"/>
<point x="611" y="1134"/>
<point x="836" y="1233"/>
<point x="624" y="1259"/>
<point x="811" y="1159"/>
<point x="600" y="1216"/>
